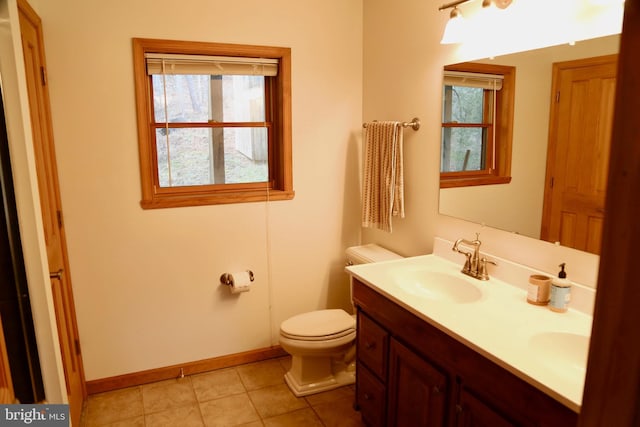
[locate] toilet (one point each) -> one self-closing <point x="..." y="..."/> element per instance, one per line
<point x="322" y="342"/>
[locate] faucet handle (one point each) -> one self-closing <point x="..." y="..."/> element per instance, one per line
<point x="482" y="269"/>
<point x="466" y="269"/>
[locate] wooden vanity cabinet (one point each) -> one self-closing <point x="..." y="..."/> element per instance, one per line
<point x="409" y="373"/>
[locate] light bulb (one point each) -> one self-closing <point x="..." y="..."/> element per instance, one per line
<point x="455" y="31"/>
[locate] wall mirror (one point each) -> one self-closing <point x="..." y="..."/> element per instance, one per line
<point x="518" y="206"/>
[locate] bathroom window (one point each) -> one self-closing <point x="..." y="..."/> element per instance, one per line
<point x="477" y="124"/>
<point x="214" y="122"/>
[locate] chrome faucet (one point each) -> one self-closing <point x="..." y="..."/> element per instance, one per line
<point x="474" y="266"/>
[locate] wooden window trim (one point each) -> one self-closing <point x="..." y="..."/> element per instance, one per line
<point x="280" y="185"/>
<point x="504" y="131"/>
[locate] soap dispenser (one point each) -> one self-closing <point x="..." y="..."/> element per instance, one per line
<point x="560" y="292"/>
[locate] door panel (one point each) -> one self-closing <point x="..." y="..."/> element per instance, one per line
<point x="417" y="390"/>
<point x="578" y="156"/>
<point x="46" y="169"/>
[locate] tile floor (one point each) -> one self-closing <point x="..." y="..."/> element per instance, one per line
<point x="249" y="395"/>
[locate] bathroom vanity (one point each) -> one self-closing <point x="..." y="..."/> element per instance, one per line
<point x="461" y="353"/>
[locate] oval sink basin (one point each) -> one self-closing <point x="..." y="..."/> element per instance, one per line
<point x="564" y="352"/>
<point x="438" y="286"/>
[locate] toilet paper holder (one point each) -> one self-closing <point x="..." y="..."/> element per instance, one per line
<point x="225" y="278"/>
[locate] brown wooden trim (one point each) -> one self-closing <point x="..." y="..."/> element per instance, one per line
<point x="175" y="201"/>
<point x="40" y="106"/>
<point x="190" y="368"/>
<point x="203" y="48"/>
<point x="612" y="385"/>
<point x="280" y="140"/>
<point x="472" y="181"/>
<point x="504" y="132"/>
<point x="467" y="125"/>
<point x="210" y="125"/>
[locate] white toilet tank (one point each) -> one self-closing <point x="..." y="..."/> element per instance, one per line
<point x="366" y="254"/>
<point x="369" y="253"/>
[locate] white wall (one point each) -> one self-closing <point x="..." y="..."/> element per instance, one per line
<point x="403" y="61"/>
<point x="146" y="282"/>
<point x="402" y="77"/>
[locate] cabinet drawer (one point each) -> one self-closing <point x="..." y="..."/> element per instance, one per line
<point x="372" y="342"/>
<point x="370" y="398"/>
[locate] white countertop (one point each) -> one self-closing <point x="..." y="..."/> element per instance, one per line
<point x="542" y="347"/>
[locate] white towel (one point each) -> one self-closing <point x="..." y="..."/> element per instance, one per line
<point x="383" y="192"/>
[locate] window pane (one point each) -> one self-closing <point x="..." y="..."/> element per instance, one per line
<point x="246" y="158"/>
<point x="463" y="149"/>
<point x="203" y="156"/>
<point x="243" y="98"/>
<point x="187" y="98"/>
<point x="200" y="98"/>
<point x="463" y="104"/>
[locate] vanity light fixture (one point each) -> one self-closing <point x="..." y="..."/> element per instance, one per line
<point x="500" y="4"/>
<point x="489" y="17"/>
<point x="454" y="32"/>
<point x="456" y="29"/>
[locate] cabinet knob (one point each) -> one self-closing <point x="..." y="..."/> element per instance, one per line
<point x="437" y="389"/>
<point x="459" y="408"/>
<point x="366" y="396"/>
<point x="370" y="345"/>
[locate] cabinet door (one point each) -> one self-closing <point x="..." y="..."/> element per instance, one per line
<point x="417" y="391"/>
<point x="473" y="412"/>
<point x="370" y="398"/>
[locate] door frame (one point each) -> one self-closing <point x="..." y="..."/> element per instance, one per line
<point x="612" y="385"/>
<point x="51" y="205"/>
<point x="27" y="201"/>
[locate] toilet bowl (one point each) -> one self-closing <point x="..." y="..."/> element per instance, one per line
<point x="318" y="342"/>
<point x="322" y="342"/>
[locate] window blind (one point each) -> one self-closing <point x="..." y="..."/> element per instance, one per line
<point x="484" y="81"/>
<point x="158" y="63"/>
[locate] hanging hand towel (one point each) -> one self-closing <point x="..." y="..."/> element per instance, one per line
<point x="383" y="192"/>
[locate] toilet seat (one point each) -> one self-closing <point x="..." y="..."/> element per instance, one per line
<point x="320" y="325"/>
